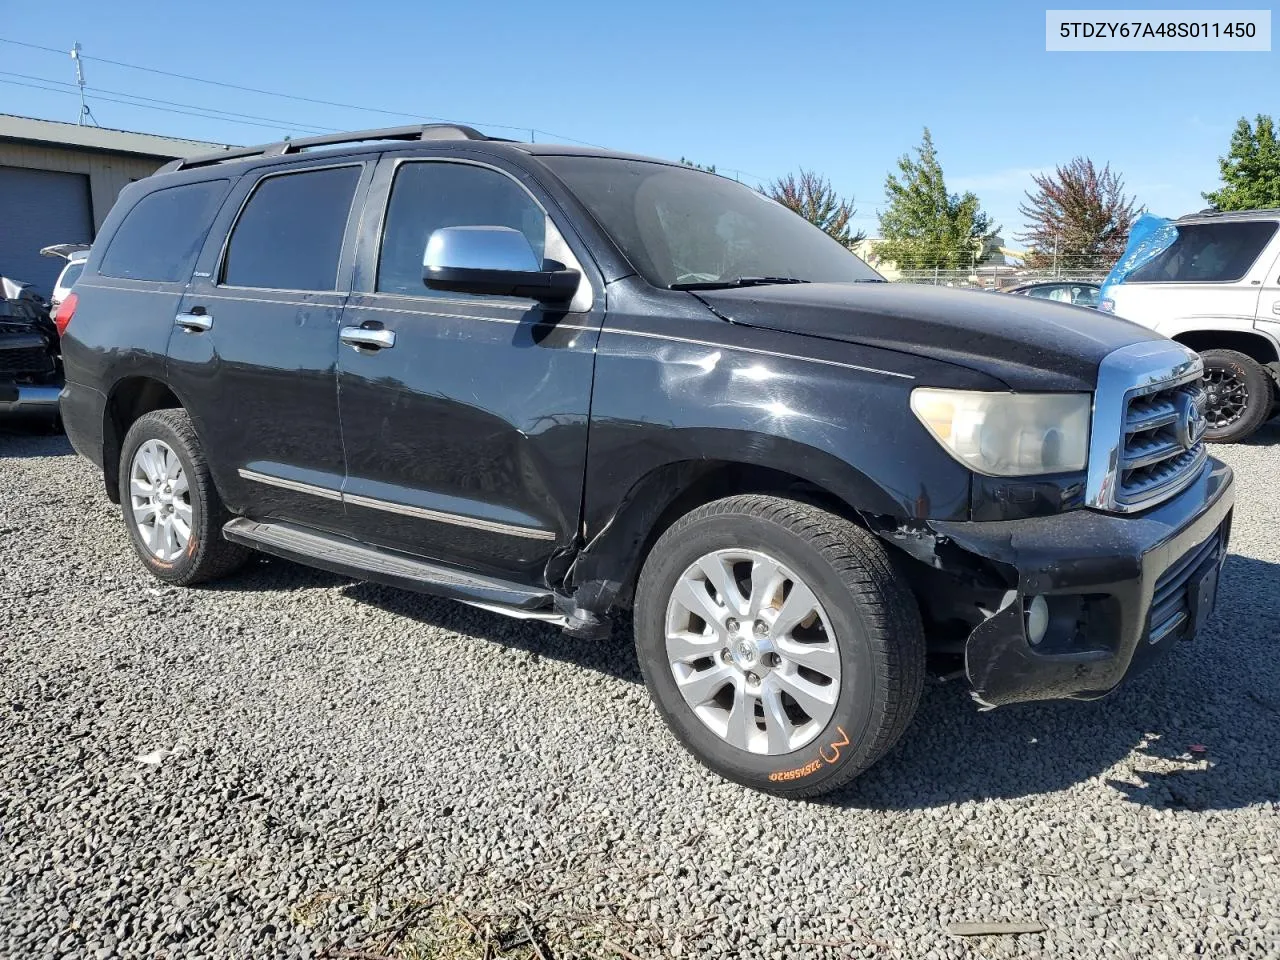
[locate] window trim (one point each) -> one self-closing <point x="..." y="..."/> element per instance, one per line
<point x="1242" y="279"/>
<point x="376" y="263"/>
<point x="220" y="267"/>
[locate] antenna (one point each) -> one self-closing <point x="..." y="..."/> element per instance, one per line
<point x="86" y="115"/>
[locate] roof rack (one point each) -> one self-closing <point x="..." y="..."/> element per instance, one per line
<point x="1232" y="214"/>
<point x="426" y="131"/>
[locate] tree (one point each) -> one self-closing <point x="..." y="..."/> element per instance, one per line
<point x="923" y="226"/>
<point x="813" y="197"/>
<point x="1078" y="215"/>
<point x="1251" y="168"/>
<point x="698" y="166"/>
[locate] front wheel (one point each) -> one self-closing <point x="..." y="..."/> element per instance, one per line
<point x="1240" y="395"/>
<point x="778" y="643"/>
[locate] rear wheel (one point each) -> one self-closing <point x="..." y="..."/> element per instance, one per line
<point x="778" y="644"/>
<point x="1240" y="395"/>
<point x="171" y="508"/>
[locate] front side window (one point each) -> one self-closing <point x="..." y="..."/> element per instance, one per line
<point x="289" y="235"/>
<point x="1208" y="253"/>
<point x="161" y="236"/>
<point x="429" y="195"/>
<point x="679" y="226"/>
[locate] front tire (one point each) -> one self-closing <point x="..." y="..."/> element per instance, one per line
<point x="778" y="643"/>
<point x="172" y="510"/>
<point x="1241" y="395"/>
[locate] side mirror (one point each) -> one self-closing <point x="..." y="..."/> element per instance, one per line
<point x="497" y="261"/>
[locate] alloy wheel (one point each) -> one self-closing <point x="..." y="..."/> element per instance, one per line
<point x="160" y="499"/>
<point x="752" y="651"/>
<point x="1227" y="397"/>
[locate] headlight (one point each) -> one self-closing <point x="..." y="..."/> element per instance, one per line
<point x="1008" y="434"/>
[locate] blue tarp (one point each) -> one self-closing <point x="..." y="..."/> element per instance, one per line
<point x="1149" y="237"/>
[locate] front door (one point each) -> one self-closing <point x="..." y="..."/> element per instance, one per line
<point x="466" y="430"/>
<point x="256" y="340"/>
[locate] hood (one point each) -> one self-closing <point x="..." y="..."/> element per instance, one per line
<point x="1030" y="344"/>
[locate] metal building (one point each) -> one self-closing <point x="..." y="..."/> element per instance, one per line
<point x="58" y="182"/>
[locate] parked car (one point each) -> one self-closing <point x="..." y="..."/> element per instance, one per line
<point x="1216" y="288"/>
<point x="30" y="368"/>
<point x="1080" y="294"/>
<point x="559" y="382"/>
<point x="75" y="254"/>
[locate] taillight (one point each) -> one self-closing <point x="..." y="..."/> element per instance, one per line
<point x="66" y="310"/>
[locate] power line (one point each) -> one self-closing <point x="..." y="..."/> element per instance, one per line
<point x="313" y="100"/>
<point x="145" y="106"/>
<point x="173" y="103"/>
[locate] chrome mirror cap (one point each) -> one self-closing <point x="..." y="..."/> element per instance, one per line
<point x="479" y="248"/>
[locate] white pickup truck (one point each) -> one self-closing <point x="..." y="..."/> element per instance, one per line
<point x="1217" y="290"/>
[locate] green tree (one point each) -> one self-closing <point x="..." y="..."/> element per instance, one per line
<point x="922" y="225"/>
<point x="698" y="166"/>
<point x="813" y="197"/>
<point x="1251" y="168"/>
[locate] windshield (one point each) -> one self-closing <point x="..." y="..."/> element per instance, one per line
<point x="686" y="227"/>
<point x="1207" y="253"/>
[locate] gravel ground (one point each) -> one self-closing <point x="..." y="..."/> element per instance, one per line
<point x="295" y="764"/>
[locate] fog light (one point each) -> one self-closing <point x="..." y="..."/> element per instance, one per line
<point x="1037" y="619"/>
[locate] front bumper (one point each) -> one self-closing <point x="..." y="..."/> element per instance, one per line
<point x="1108" y="567"/>
<point x="21" y="399"/>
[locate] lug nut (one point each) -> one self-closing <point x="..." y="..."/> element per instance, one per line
<point x="761" y="628"/>
<point x="726" y="656"/>
<point x="773" y="660"/>
<point x="731" y="624"/>
<point x="752" y="679"/>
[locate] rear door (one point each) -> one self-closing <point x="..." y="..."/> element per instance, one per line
<point x="255" y="341"/>
<point x="466" y="439"/>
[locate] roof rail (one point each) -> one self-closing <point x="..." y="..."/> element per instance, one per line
<point x="426" y="131"/>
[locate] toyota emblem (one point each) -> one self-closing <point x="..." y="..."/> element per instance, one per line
<point x="1191" y="422"/>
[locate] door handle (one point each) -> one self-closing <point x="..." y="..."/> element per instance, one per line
<point x="194" y="322"/>
<point x="363" y="339"/>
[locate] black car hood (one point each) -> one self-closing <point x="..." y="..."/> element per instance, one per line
<point x="1029" y="344"/>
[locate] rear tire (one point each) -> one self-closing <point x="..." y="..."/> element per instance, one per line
<point x="1241" y="395"/>
<point x="171" y="508"/>
<point x="855" y="661"/>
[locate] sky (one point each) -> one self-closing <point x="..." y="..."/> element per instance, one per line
<point x="843" y="88"/>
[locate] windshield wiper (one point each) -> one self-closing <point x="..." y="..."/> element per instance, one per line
<point x="735" y="282"/>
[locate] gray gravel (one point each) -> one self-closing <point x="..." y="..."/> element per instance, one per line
<point x="319" y="755"/>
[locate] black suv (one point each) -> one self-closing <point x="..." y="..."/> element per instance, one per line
<point x="556" y="383"/>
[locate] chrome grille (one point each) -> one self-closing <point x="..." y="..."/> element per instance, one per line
<point x="1154" y="457"/>
<point x="1146" y="440"/>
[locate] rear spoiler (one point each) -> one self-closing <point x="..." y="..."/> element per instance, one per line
<point x="64" y="250"/>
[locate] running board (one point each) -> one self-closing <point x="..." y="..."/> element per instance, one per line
<point x="339" y="554"/>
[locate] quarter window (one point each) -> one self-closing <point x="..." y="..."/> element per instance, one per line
<point x="1208" y="253"/>
<point x="161" y="236"/>
<point x="289" y="235"/>
<point x="429" y="195"/>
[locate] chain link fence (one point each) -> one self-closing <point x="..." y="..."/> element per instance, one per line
<point x="1001" y="278"/>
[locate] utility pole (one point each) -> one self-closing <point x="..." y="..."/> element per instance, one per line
<point x="86" y="115"/>
<point x="1055" y="256"/>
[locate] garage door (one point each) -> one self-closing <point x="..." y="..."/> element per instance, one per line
<point x="37" y="208"/>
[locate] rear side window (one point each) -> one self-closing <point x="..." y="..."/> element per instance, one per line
<point x="162" y="235"/>
<point x="70" y="274"/>
<point x="1208" y="253"/>
<point x="289" y="235"/>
